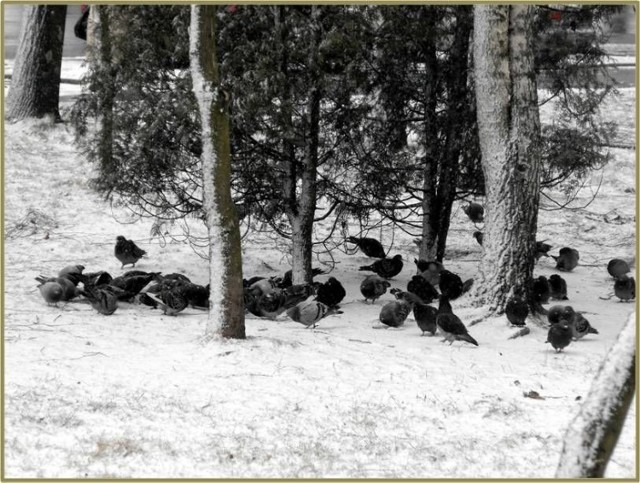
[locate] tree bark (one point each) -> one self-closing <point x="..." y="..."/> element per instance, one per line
<point x="593" y="434"/>
<point x="509" y="130"/>
<point x="226" y="311"/>
<point x="35" y="84"/>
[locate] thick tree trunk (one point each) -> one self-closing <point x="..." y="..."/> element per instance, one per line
<point x="226" y="311"/>
<point x="593" y="434"/>
<point x="35" y="84"/>
<point x="509" y="130"/>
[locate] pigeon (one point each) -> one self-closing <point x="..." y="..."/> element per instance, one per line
<point x="309" y="312"/>
<point x="395" y="313"/>
<point x="559" y="336"/>
<point x="450" y="325"/>
<point x="104" y="301"/>
<point x="542" y="249"/>
<point x="51" y="292"/>
<point x="430" y="270"/>
<point x="134" y="283"/>
<point x="386" y="267"/>
<point x="95" y="279"/>
<point x="567" y="260"/>
<point x="580" y="327"/>
<point x="68" y="288"/>
<point x="247" y="283"/>
<point x="372" y="287"/>
<point x="424" y="314"/>
<point x="479" y="236"/>
<point x="560" y="313"/>
<point x="557" y="287"/>
<point x="625" y="288"/>
<point x="330" y="293"/>
<point x="516" y="310"/>
<point x="423" y="289"/>
<point x="475" y="212"/>
<point x="451" y="285"/>
<point x="127" y="252"/>
<point x="617" y="268"/>
<point x="369" y="246"/>
<point x="541" y="290"/>
<point x="263" y="286"/>
<point x="466" y="286"/>
<point x="73" y="273"/>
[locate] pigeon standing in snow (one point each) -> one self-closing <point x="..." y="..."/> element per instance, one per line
<point x="73" y="273"/>
<point x="51" y="292"/>
<point x="369" y="246"/>
<point x="541" y="290"/>
<point x="581" y="327"/>
<point x="617" y="268"/>
<point x="172" y="301"/>
<point x="373" y="287"/>
<point x="134" y="283"/>
<point x="287" y="278"/>
<point x="395" y="313"/>
<point x="101" y="299"/>
<point x="127" y="252"/>
<point x="559" y="336"/>
<point x="331" y="292"/>
<point x="516" y="310"/>
<point x="310" y="312"/>
<point x="475" y="212"/>
<point x="69" y="290"/>
<point x="424" y="314"/>
<point x="558" y="287"/>
<point x="567" y="260"/>
<point x="479" y="236"/>
<point x="625" y="288"/>
<point x="450" y="325"/>
<point x="387" y="267"/>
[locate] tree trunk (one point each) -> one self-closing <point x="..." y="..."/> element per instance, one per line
<point x="509" y="130"/>
<point x="35" y="84"/>
<point x="593" y="434"/>
<point x="226" y="311"/>
<point x="430" y="208"/>
<point x="302" y="202"/>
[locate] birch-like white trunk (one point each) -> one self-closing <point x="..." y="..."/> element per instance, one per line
<point x="593" y="433"/>
<point x="509" y="130"/>
<point x="226" y="311"/>
<point x="35" y="83"/>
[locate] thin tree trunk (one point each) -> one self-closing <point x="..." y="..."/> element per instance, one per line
<point x="35" y="84"/>
<point x="430" y="208"/>
<point x="226" y="311"/>
<point x="509" y="130"/>
<point x="592" y="435"/>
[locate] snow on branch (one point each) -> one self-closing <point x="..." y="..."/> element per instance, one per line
<point x="592" y="435"/>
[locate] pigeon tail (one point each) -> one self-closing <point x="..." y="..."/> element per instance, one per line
<point x="468" y="338"/>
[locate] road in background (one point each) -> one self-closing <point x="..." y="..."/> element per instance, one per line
<point x="73" y="46"/>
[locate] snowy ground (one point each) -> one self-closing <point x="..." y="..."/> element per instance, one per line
<point x="138" y="394"/>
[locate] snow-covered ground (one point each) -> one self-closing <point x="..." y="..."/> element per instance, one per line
<point x="139" y="394"/>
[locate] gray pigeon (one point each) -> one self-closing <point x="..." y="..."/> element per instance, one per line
<point x="309" y="312"/>
<point x="625" y="288"/>
<point x="567" y="260"/>
<point x="51" y="292"/>
<point x="516" y="310"/>
<point x="581" y="327"/>
<point x="558" y="287"/>
<point x="395" y="313"/>
<point x="475" y="212"/>
<point x="104" y="301"/>
<point x="424" y="314"/>
<point x="617" y="268"/>
<point x="372" y="287"/>
<point x="127" y="252"/>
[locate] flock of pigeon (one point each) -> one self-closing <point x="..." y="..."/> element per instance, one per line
<point x="308" y="303"/>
